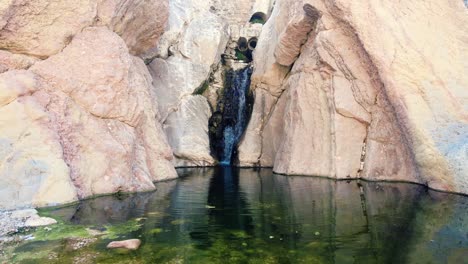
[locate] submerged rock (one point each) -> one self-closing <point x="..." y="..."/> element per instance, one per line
<point x="132" y="244"/>
<point x="36" y="221"/>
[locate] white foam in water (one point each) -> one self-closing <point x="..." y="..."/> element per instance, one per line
<point x="232" y="135"/>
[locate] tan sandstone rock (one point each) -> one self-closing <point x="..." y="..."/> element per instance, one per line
<point x="132" y="244"/>
<point x="11" y="61"/>
<point x="379" y="102"/>
<point x="42" y="27"/>
<point x="36" y="221"/>
<point x="178" y="77"/>
<point x="140" y="23"/>
<point x="32" y="167"/>
<point x="94" y="87"/>
<point x="187" y="132"/>
<point x="82" y="122"/>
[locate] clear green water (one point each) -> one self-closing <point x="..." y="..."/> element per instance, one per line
<point x="226" y="215"/>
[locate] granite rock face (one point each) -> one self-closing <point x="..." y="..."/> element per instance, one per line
<point x="188" y="52"/>
<point x="42" y="28"/>
<point x="362" y="101"/>
<point x="140" y="23"/>
<point x="343" y="89"/>
<point x="84" y="120"/>
<point x="111" y="99"/>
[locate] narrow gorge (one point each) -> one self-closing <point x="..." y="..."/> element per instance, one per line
<point x="257" y="108"/>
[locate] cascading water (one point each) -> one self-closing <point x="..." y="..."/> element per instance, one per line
<point x="228" y="123"/>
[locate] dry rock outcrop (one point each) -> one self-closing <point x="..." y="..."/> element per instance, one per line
<point x="376" y="95"/>
<point x="42" y="28"/>
<point x="83" y="120"/>
<point x="189" y="50"/>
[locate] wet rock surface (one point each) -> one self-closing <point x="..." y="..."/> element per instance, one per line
<point x="132" y="244"/>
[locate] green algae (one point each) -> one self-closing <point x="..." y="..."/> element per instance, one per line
<point x="262" y="222"/>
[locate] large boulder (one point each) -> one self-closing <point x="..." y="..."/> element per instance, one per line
<point x="81" y="123"/>
<point x="360" y="101"/>
<point x="178" y="77"/>
<point x="32" y="166"/>
<point x="96" y="88"/>
<point x="187" y="132"/>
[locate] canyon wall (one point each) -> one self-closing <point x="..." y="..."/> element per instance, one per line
<point x="100" y="96"/>
<point x="362" y="89"/>
<point x="78" y="112"/>
<point x="187" y="69"/>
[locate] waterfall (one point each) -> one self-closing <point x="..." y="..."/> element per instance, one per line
<point x="228" y="123"/>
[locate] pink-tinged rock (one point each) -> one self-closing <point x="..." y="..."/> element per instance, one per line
<point x="42" y="27"/>
<point x="101" y="105"/>
<point x="140" y="23"/>
<point x="32" y="167"/>
<point x="295" y="35"/>
<point x="386" y="97"/>
<point x="11" y="61"/>
<point x="132" y="244"/>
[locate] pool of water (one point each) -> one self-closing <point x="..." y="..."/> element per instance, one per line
<point x="229" y="215"/>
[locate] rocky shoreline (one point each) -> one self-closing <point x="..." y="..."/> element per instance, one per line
<point x="15" y="224"/>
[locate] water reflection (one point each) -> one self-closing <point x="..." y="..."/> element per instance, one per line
<point x="230" y="215"/>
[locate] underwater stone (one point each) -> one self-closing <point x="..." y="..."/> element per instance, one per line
<point x="132" y="244"/>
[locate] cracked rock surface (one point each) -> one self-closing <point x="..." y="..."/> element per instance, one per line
<point x="373" y="93"/>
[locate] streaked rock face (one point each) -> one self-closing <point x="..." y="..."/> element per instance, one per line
<point x="42" y="28"/>
<point x="81" y="122"/>
<point x="113" y="100"/>
<point x="140" y="23"/>
<point x="187" y="132"/>
<point x="378" y="102"/>
<point x="190" y="48"/>
<point x="339" y="92"/>
<point x="32" y="166"/>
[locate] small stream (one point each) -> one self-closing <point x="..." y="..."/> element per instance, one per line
<point x="231" y="215"/>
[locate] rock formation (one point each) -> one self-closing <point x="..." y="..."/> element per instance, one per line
<point x="81" y="121"/>
<point x="100" y="96"/>
<point x="375" y="92"/>
<point x="187" y="64"/>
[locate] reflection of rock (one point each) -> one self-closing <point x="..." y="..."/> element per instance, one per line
<point x="132" y="244"/>
<point x="320" y="219"/>
<point x="109" y="209"/>
<point x="383" y="222"/>
<point x="443" y="237"/>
